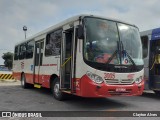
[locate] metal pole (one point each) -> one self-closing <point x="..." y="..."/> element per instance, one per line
<point x="25" y="34"/>
<point x="25" y="29"/>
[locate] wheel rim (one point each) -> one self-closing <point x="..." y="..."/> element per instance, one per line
<point x="56" y="89"/>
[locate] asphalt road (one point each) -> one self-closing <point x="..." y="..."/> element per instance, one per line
<point x="15" y="98"/>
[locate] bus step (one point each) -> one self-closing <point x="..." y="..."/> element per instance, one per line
<point x="67" y="91"/>
<point x="37" y="86"/>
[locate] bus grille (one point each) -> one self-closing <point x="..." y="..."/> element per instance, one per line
<point x="119" y="81"/>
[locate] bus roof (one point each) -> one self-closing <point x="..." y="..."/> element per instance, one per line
<point x="146" y="32"/>
<point x="155" y="33"/>
<point x="69" y="20"/>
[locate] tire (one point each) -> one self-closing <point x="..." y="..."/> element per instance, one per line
<point x="157" y="93"/>
<point x="57" y="94"/>
<point x="23" y="82"/>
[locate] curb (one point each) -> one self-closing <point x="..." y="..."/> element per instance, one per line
<point x="148" y="91"/>
<point x="13" y="80"/>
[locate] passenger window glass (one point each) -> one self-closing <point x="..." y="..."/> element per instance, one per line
<point x="22" y="53"/>
<point x="30" y="48"/>
<point x="53" y="43"/>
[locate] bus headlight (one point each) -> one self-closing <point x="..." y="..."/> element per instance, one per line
<point x="94" y="77"/>
<point x="139" y="80"/>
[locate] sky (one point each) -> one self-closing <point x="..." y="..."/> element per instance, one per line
<point x="38" y="15"/>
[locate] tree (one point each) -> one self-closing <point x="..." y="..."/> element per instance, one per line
<point x="8" y="59"/>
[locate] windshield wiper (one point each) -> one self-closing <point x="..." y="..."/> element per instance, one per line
<point x="114" y="54"/>
<point x="121" y="51"/>
<point x="125" y="52"/>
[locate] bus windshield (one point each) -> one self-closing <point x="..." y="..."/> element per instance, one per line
<point x="102" y="38"/>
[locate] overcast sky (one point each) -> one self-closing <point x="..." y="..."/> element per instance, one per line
<point x="40" y="14"/>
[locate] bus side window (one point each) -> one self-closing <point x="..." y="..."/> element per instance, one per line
<point x="16" y="53"/>
<point x="145" y="41"/>
<point x="22" y="53"/>
<point x="30" y="48"/>
<point x="48" y="47"/>
<point x="53" y="43"/>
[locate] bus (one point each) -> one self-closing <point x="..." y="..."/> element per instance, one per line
<point x="151" y="55"/>
<point x="85" y="55"/>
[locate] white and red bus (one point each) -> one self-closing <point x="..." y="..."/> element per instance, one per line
<point x="86" y="55"/>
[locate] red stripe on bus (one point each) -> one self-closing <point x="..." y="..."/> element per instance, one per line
<point x="49" y="65"/>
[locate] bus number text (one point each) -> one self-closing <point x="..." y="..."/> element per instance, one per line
<point x="109" y="75"/>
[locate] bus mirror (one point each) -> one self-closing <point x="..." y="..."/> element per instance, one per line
<point x="80" y="32"/>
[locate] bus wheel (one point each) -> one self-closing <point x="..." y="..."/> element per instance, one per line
<point x="56" y="90"/>
<point x="157" y="93"/>
<point x="23" y="82"/>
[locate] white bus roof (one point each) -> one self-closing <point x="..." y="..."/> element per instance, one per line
<point x="153" y="33"/>
<point x="146" y="32"/>
<point x="69" y="20"/>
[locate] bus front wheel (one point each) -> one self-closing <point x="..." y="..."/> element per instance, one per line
<point x="157" y="93"/>
<point x="56" y="90"/>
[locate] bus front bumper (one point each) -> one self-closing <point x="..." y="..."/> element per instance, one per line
<point x="88" y="88"/>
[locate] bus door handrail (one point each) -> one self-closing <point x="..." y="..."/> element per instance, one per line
<point x="66" y="61"/>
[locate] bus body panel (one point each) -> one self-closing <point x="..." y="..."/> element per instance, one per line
<point x="23" y="66"/>
<point x="87" y="88"/>
<point x="50" y="66"/>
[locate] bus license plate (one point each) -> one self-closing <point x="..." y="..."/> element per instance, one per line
<point x="120" y="89"/>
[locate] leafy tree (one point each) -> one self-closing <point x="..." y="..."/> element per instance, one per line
<point x="8" y="59"/>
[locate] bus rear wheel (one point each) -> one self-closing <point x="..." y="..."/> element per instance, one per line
<point x="58" y="95"/>
<point x="157" y="93"/>
<point x="23" y="81"/>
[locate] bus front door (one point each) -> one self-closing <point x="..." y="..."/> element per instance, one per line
<point x="66" y="59"/>
<point x="38" y="61"/>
